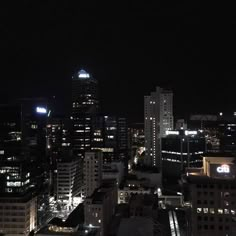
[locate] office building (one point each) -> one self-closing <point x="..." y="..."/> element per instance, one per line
<point x="23" y="164"/>
<point x="100" y="207"/>
<point x="211" y="191"/>
<point x="92" y="171"/>
<point x="85" y="105"/>
<point x="110" y="135"/>
<point x="158" y="118"/>
<point x="68" y="179"/>
<point x="181" y="149"/>
<point x="18" y="214"/>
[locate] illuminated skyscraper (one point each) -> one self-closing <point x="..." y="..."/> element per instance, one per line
<point x="84" y="93"/>
<point x="158" y="118"/>
<point x="85" y="105"/>
<point x="23" y="165"/>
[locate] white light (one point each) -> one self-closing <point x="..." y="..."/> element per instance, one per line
<point x="49" y="113"/>
<point x="42" y="110"/>
<point x="221" y="113"/>
<point x="172" y="132"/>
<point x="188" y="132"/>
<point x="223" y="169"/>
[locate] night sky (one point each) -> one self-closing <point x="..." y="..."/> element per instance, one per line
<point x="129" y="48"/>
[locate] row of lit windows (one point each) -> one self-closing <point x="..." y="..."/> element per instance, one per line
<point x="215" y="211"/>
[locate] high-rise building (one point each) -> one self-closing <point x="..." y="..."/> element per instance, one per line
<point x="158" y="118"/>
<point x="110" y="135"/>
<point x="92" y="172"/>
<point x="23" y="164"/>
<point x="85" y="105"/>
<point x="181" y="149"/>
<point x="68" y="179"/>
<point x="211" y="193"/>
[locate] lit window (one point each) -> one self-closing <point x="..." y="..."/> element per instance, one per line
<point x="205" y="210"/>
<point x="226" y="211"/>
<point x="220" y="211"/>
<point x="99" y="221"/>
<point x="212" y="210"/>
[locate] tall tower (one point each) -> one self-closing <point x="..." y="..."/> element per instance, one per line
<point x="85" y="105"/>
<point x="158" y="118"/>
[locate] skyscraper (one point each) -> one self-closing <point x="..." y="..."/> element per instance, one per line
<point x="85" y="105"/>
<point x="23" y="164"/>
<point x="158" y="118"/>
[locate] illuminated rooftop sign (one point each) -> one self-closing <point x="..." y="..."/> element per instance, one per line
<point x="223" y="169"/>
<point x="41" y="110"/>
<point x="83" y="74"/>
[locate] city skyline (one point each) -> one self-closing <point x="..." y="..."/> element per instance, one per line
<point x="168" y="46"/>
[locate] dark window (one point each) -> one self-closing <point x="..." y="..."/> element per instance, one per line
<point x="212" y="227"/>
<point x="205" y="226"/>
<point x="220" y="227"/>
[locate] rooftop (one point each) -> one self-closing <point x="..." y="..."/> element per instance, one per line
<point x="82" y="75"/>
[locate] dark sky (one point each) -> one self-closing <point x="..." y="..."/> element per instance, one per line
<point x="129" y="48"/>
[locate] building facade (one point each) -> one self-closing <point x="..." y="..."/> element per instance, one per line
<point x="211" y="191"/>
<point x="100" y="207"/>
<point x="92" y="172"/>
<point x="68" y="180"/>
<point x="181" y="149"/>
<point x="85" y="105"/>
<point x="158" y="118"/>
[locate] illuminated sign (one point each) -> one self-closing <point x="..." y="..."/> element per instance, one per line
<point x="83" y="74"/>
<point x="172" y="132"/>
<point x="223" y="169"/>
<point x="41" y="110"/>
<point x="188" y="132"/>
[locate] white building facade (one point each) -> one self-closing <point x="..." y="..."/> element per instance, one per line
<point x="158" y="118"/>
<point x="18" y="215"/>
<point x="68" y="180"/>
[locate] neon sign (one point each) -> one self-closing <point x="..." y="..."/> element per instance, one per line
<point x="223" y="169"/>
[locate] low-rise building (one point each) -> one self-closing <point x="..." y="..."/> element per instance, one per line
<point x="100" y="206"/>
<point x="18" y="215"/>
